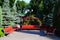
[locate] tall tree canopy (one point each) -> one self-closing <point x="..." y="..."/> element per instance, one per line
<point x="21" y="5"/>
<point x="41" y="6"/>
<point x="37" y="6"/>
<point x="11" y="3"/>
<point x="1" y="2"/>
<point x="56" y="20"/>
<point x="34" y="5"/>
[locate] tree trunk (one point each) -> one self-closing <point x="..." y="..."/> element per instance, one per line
<point x="56" y="20"/>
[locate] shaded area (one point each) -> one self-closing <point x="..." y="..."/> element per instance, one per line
<point x="53" y="37"/>
<point x="39" y="32"/>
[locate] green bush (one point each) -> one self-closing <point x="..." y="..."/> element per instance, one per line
<point x="1" y="32"/>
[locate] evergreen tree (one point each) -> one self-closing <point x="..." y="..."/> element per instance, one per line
<point x="1" y="2"/>
<point x="11" y="3"/>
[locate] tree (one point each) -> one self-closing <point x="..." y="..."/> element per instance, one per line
<point x="21" y="5"/>
<point x="37" y="7"/>
<point x="41" y="7"/>
<point x="1" y="2"/>
<point x="11" y="3"/>
<point x="44" y="7"/>
<point x="56" y="18"/>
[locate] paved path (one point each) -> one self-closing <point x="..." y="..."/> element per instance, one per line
<point x="27" y="35"/>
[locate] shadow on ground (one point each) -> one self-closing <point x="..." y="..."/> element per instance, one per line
<point x="39" y="32"/>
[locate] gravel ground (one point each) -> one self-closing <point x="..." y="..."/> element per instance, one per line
<point x="28" y="35"/>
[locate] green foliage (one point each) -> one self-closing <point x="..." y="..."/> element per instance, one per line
<point x="34" y="4"/>
<point x="48" y="6"/>
<point x="11" y="3"/>
<point x="1" y="2"/>
<point x="1" y="32"/>
<point x="0" y="16"/>
<point x="20" y="5"/>
<point x="37" y="6"/>
<point x="41" y="5"/>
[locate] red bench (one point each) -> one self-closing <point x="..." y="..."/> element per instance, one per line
<point x="31" y="27"/>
